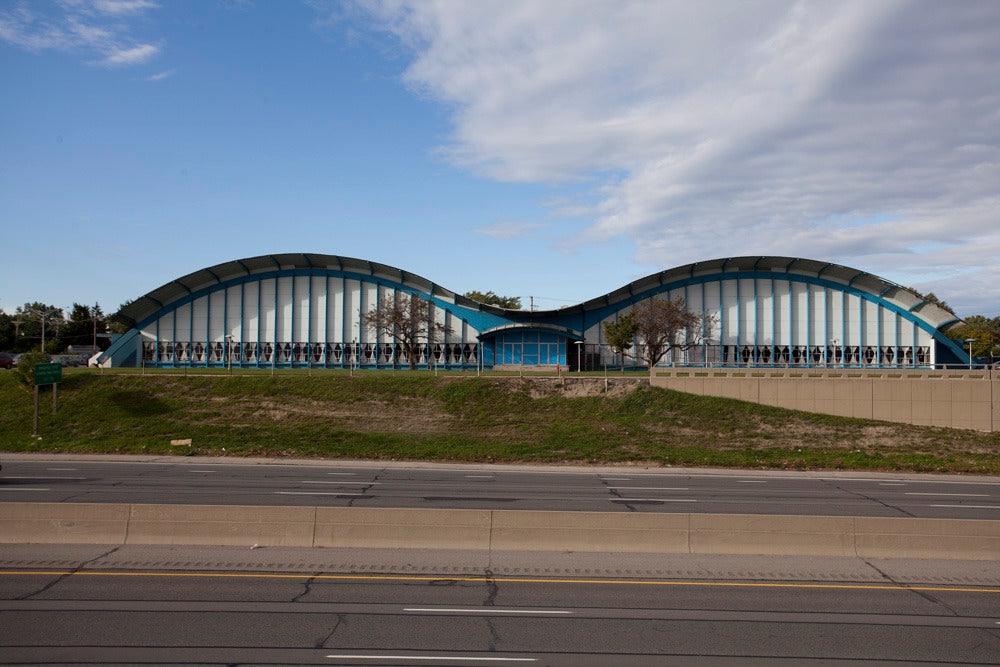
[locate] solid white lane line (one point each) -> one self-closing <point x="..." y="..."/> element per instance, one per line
<point x="972" y="507"/>
<point x="658" y="500"/>
<point x="23" y="488"/>
<point x="967" y="495"/>
<point x="489" y="611"/>
<point x="38" y="477"/>
<point x="428" y="657"/>
<point x="650" y="488"/>
<point x="309" y="481"/>
<point x="891" y="484"/>
<point x="752" y="481"/>
<point x="315" y="493"/>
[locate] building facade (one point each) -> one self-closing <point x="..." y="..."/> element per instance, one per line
<point x="304" y="310"/>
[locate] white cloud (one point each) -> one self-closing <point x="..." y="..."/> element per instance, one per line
<point x="861" y="132"/>
<point x="118" y="7"/>
<point x="162" y="75"/>
<point x="135" y="55"/>
<point x="80" y="26"/>
<point x="506" y="229"/>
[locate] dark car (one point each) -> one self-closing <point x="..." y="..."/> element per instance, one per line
<point x="7" y="360"/>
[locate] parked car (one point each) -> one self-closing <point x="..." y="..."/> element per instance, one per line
<point x="7" y="360"/>
<point x="66" y="359"/>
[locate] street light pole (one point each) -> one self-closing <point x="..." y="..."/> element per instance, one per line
<point x="970" y="341"/>
<point x="579" y="362"/>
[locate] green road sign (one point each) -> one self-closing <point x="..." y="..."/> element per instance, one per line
<point x="48" y="373"/>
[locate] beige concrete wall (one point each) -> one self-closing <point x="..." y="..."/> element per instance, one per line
<point x="956" y="399"/>
<point x="500" y="530"/>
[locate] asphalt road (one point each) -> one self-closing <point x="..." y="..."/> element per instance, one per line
<point x="259" y="615"/>
<point x="339" y="484"/>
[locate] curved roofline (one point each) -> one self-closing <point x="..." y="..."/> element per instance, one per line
<point x="852" y="279"/>
<point x="161" y="297"/>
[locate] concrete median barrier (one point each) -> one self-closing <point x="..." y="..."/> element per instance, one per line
<point x="878" y="537"/>
<point x="402" y="528"/>
<point x="500" y="530"/>
<point x="515" y="530"/>
<point x="221" y="525"/>
<point x="63" y="523"/>
<point x="770" y="534"/>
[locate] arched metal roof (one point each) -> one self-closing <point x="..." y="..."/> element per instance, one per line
<point x="772" y="266"/>
<point x="150" y="303"/>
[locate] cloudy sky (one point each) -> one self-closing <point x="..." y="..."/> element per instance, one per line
<point x="554" y="150"/>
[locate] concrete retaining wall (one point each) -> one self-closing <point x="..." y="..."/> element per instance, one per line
<point x="500" y="530"/>
<point x="956" y="399"/>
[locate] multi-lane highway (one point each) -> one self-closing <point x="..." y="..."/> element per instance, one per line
<point x="104" y="608"/>
<point x="625" y="489"/>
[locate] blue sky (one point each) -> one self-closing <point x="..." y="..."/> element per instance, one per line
<point x="549" y="149"/>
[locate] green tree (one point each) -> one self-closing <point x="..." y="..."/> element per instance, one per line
<point x="492" y="299"/>
<point x="933" y="298"/>
<point x="980" y="329"/>
<point x="28" y="321"/>
<point x="8" y="336"/>
<point x="405" y="318"/>
<point x="621" y="335"/>
<point x="118" y="324"/>
<point x="25" y="369"/>
<point x="84" y="323"/>
<point x="665" y="324"/>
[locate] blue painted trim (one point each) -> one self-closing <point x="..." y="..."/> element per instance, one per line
<point x="882" y="293"/>
<point x="913" y="308"/>
<point x="858" y="275"/>
<point x="823" y="270"/>
<point x="481" y="320"/>
<point x="277" y="264"/>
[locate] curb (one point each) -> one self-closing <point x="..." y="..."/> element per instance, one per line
<point x="499" y="530"/>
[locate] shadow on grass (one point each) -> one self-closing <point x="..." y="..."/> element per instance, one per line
<point x="139" y="403"/>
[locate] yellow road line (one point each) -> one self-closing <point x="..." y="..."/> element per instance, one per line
<point x="499" y="580"/>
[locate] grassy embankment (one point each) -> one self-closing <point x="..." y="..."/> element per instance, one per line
<point x="380" y="415"/>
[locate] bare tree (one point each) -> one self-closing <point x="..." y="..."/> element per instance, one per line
<point x="406" y="318"/>
<point x="664" y="324"/>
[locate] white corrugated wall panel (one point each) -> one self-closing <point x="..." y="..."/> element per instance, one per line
<point x="267" y="312"/>
<point x="217" y="316"/>
<point x="798" y="313"/>
<point x="765" y="306"/>
<point x="251" y="312"/>
<point x="300" y="311"/>
<point x="318" y="331"/>
<point x="352" y="303"/>
<point x="748" y="315"/>
<point x="234" y="305"/>
<point x="369" y="302"/>
<point x="730" y="313"/>
<point x="335" y="315"/>
<point x="183" y="323"/>
<point x="200" y="308"/>
<point x="783" y="303"/>
<point x="284" y="314"/>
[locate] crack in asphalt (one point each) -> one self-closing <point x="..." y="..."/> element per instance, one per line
<point x="340" y="621"/>
<point x="616" y="494"/>
<point x="62" y="577"/>
<point x="306" y="589"/>
<point x="924" y="594"/>
<point x="871" y="499"/>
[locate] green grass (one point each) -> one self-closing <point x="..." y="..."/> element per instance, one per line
<point x="417" y="416"/>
